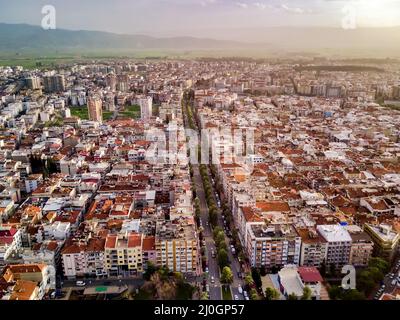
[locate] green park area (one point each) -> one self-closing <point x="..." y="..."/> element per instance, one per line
<point x="107" y="115"/>
<point x="132" y="112"/>
<point x="82" y="113"/>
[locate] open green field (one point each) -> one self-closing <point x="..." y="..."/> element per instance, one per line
<point x="80" y="112"/>
<point x="52" y="59"/>
<point x="107" y="115"/>
<point x="132" y="112"/>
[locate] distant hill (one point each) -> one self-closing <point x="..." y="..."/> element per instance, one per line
<point x="16" y="37"/>
<point x="367" y="41"/>
<point x="309" y="38"/>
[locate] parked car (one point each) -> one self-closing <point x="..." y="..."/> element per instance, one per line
<point x="80" y="283"/>
<point x="208" y="288"/>
<point x="236" y="297"/>
<point x="240" y="289"/>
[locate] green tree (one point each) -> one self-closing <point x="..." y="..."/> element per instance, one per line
<point x="255" y="273"/>
<point x="253" y="294"/>
<point x="223" y="259"/>
<point x="376" y="274"/>
<point x="306" y="293"/>
<point x="292" y="296"/>
<point x="217" y="230"/>
<point x="219" y="238"/>
<point x="213" y="218"/>
<point x="334" y="293"/>
<point x="379" y="263"/>
<point x="204" y="296"/>
<point x="248" y="280"/>
<point x="271" y="294"/>
<point x="226" y="275"/>
<point x="365" y="282"/>
<point x="151" y="269"/>
<point x="353" y="295"/>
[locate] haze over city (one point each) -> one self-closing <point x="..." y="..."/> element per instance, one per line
<point x="201" y="18"/>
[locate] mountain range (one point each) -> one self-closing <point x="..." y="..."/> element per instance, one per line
<point x="27" y="37"/>
<point x="23" y="37"/>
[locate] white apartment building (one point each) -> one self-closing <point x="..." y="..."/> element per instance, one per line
<point x="146" y="107"/>
<point x="339" y="244"/>
<point x="84" y="259"/>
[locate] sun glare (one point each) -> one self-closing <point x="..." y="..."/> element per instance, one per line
<point x="377" y="13"/>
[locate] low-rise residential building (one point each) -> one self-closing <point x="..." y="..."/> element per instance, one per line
<point x="362" y="246"/>
<point x="386" y="240"/>
<point x="313" y="247"/>
<point x="123" y="254"/>
<point x="28" y="281"/>
<point x="339" y="244"/>
<point x="294" y="279"/>
<point x="273" y="245"/>
<point x="84" y="259"/>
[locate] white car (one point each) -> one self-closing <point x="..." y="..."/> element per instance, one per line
<point x="80" y="283"/>
<point x="236" y="297"/>
<point x="240" y="289"/>
<point x="212" y="280"/>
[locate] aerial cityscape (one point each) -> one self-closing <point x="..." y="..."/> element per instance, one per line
<point x="165" y="167"/>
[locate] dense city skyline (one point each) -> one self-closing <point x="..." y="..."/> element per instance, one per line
<point x="199" y="151"/>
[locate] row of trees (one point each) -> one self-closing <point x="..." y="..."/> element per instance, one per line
<point x="187" y="101"/>
<point x="367" y="280"/>
<point x="222" y="248"/>
<point x="208" y="189"/>
<point x="227" y="214"/>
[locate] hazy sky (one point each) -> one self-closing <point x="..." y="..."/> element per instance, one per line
<point x="199" y="17"/>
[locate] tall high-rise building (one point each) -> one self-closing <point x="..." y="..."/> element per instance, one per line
<point x="54" y="83"/>
<point x="109" y="103"/>
<point x="33" y="83"/>
<point x="111" y="81"/>
<point x="95" y="108"/>
<point x="146" y="107"/>
<point x="123" y="82"/>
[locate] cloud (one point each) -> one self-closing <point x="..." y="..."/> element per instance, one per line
<point x="261" y="6"/>
<point x="295" y="10"/>
<point x="204" y="3"/>
<point x="242" y="5"/>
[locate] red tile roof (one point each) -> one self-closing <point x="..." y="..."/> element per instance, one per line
<point x="310" y="274"/>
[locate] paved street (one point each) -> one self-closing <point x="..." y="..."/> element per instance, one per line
<point x="235" y="266"/>
<point x="389" y="282"/>
<point x="215" y="289"/>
